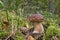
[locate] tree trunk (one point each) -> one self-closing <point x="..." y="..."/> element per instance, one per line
<point x="51" y="5"/>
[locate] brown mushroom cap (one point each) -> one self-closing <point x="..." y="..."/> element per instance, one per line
<point x="36" y="18"/>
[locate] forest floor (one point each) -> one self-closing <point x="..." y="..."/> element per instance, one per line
<point x="13" y="22"/>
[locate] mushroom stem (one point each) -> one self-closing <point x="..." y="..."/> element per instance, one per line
<point x="38" y="28"/>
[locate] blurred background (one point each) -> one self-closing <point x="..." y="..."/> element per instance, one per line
<point x="17" y="12"/>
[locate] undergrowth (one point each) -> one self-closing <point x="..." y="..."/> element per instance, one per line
<point x="18" y="21"/>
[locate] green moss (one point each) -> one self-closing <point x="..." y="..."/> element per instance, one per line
<point x="52" y="30"/>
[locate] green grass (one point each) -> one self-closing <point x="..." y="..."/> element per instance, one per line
<point x="18" y="21"/>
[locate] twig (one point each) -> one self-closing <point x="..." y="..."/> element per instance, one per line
<point x="8" y="36"/>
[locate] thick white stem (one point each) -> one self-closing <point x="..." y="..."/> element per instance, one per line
<point x="38" y="28"/>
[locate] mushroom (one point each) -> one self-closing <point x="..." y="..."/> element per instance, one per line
<point x="30" y="38"/>
<point x="26" y="32"/>
<point x="37" y="19"/>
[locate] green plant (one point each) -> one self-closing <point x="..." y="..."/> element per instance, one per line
<point x="51" y="31"/>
